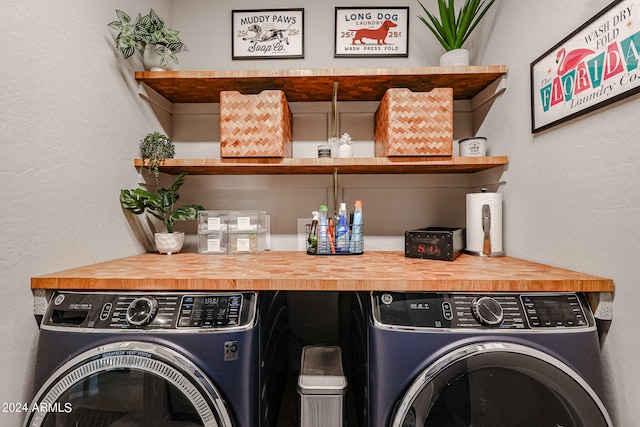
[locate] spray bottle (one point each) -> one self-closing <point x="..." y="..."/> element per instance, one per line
<point x="312" y="239"/>
<point x="342" y="235"/>
<point x="355" y="244"/>
<point x="323" y="231"/>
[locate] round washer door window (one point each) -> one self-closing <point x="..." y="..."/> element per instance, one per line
<point x="499" y="385"/>
<point x="130" y="384"/>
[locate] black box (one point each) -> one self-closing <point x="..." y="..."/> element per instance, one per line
<point x="439" y="243"/>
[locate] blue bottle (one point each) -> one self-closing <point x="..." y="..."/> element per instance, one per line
<point x="356" y="245"/>
<point x="342" y="234"/>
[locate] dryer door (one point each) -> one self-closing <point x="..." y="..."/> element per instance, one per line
<point x="128" y="384"/>
<point x="499" y="384"/>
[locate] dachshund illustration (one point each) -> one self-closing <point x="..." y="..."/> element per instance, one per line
<point x="267" y="35"/>
<point x="378" y="34"/>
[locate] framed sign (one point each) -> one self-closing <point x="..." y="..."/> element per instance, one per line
<point x="594" y="66"/>
<point x="372" y="32"/>
<point x="267" y="34"/>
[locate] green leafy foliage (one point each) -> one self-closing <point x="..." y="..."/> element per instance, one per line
<point x="147" y="30"/>
<point x="154" y="149"/>
<point x="451" y="30"/>
<point x="161" y="204"/>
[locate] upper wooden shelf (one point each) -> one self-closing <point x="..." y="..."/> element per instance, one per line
<point x="302" y="272"/>
<point x="375" y="165"/>
<point x="354" y="84"/>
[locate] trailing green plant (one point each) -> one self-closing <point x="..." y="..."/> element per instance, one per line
<point x="147" y="30"/>
<point x="452" y="31"/>
<point x="161" y="204"/>
<point x="154" y="149"/>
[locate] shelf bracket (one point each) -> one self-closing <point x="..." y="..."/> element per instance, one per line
<point x="489" y="93"/>
<point x="602" y="305"/>
<point x="154" y="98"/>
<point x="335" y="189"/>
<point x="334" y="111"/>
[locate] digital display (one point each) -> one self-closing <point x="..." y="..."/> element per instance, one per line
<point x="554" y="311"/>
<point x="407" y="309"/>
<point x="215" y="311"/>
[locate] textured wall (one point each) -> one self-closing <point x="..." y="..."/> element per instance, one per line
<point x="70" y="122"/>
<point x="572" y="197"/>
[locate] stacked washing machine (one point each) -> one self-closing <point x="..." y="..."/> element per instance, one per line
<point x="161" y="359"/>
<point x="482" y="360"/>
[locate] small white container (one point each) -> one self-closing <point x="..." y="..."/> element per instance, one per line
<point x="473" y="147"/>
<point x="213" y="243"/>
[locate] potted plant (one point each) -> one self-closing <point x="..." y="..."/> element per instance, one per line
<point x="154" y="149"/>
<point x="147" y="35"/>
<point x="162" y="205"/>
<point x="451" y="30"/>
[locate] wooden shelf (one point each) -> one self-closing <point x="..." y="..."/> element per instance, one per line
<point x="302" y="272"/>
<point x="376" y="165"/>
<point x="354" y="84"/>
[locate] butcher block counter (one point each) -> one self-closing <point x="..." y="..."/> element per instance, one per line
<point x="301" y="272"/>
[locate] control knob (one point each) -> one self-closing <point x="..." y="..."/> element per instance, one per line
<point x="487" y="311"/>
<point x="142" y="311"/>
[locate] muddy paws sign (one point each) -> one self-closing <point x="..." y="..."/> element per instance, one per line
<point x="267" y="34"/>
<point x="372" y="32"/>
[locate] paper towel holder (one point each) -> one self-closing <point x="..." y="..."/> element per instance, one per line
<point x="485" y="220"/>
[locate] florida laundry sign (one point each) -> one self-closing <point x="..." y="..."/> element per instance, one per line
<point x="594" y="66"/>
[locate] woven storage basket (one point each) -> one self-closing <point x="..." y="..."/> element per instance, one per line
<point x="255" y="125"/>
<point x="414" y="123"/>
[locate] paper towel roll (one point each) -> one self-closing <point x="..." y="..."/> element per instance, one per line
<point x="475" y="233"/>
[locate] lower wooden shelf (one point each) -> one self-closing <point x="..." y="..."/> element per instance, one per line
<point x="375" y="165"/>
<point x="301" y="272"/>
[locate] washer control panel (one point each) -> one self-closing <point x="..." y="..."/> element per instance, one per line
<point x="153" y="311"/>
<point x="467" y="311"/>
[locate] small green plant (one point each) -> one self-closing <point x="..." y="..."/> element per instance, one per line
<point x="161" y="204"/>
<point x="147" y="30"/>
<point x="154" y="149"/>
<point x="452" y="31"/>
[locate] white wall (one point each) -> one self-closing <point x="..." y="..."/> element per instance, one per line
<point x="572" y="197"/>
<point x="70" y="122"/>
<point x="71" y="119"/>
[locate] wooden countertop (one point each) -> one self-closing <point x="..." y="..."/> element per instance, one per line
<point x="299" y="271"/>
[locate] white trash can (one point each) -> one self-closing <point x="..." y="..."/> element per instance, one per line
<point x="321" y="385"/>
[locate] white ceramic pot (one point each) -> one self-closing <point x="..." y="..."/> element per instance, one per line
<point x="169" y="243"/>
<point x="152" y="60"/>
<point x="455" y="58"/>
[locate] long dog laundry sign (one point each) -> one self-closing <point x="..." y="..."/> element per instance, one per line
<point x="267" y="34"/>
<point x="593" y="67"/>
<point x="372" y="32"/>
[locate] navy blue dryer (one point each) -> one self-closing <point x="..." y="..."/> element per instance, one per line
<point x="159" y="359"/>
<point x="482" y="360"/>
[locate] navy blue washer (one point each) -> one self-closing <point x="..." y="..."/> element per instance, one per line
<point x="434" y="359"/>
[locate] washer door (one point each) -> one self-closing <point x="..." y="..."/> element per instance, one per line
<point x="128" y="384"/>
<point x="499" y="384"/>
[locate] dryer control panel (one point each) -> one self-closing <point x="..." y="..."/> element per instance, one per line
<point x="105" y="311"/>
<point x="466" y="311"/>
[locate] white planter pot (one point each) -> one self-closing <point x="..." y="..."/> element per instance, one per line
<point x="169" y="243"/>
<point x="455" y="58"/>
<point x="152" y="60"/>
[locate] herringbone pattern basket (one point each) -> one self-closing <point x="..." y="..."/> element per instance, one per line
<point x="414" y="123"/>
<point x="255" y="125"/>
